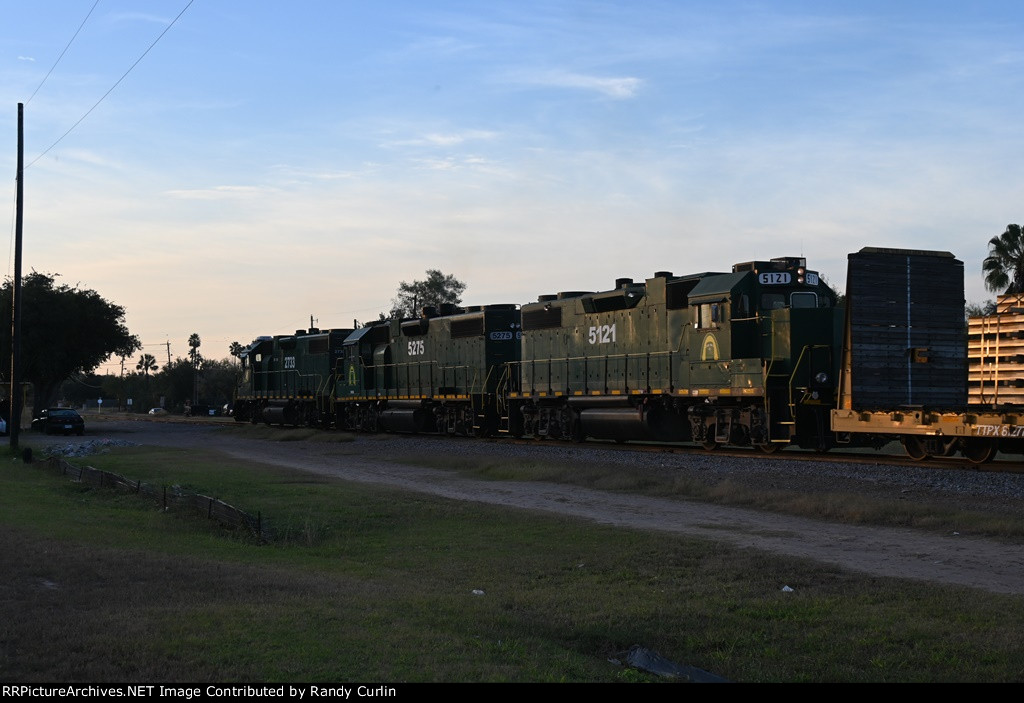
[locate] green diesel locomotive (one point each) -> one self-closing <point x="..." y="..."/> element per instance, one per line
<point x="745" y="358"/>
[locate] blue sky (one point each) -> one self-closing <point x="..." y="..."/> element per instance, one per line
<point x="268" y="162"/>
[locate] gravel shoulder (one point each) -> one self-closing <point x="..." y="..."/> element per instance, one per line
<point x="954" y="559"/>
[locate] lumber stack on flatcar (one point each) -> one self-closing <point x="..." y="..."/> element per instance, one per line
<point x="995" y="353"/>
<point x="904" y="371"/>
<point x="905" y="312"/>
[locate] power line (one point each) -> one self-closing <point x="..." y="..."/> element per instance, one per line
<point x="130" y="68"/>
<point x="63" y="52"/>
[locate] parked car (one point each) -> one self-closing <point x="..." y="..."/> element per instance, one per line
<point x="157" y="411"/>
<point x="61" y="420"/>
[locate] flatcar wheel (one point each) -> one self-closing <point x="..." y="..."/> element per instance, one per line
<point x="949" y="448"/>
<point x="978" y="451"/>
<point x="914" y="447"/>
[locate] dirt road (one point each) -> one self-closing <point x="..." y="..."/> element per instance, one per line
<point x="955" y="559"/>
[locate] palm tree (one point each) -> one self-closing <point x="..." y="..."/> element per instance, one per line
<point x="1004" y="266"/>
<point x="147" y="363"/>
<point x="196" y="358"/>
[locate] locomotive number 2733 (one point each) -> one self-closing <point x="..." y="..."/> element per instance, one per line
<point x="601" y="334"/>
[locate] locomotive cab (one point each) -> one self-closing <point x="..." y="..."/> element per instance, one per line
<point x="800" y="328"/>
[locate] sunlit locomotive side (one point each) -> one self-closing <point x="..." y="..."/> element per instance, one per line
<point x="742" y="358"/>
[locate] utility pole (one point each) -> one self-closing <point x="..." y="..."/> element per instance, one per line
<point x="14" y="421"/>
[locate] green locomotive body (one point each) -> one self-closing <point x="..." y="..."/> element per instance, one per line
<point x="745" y="358"/>
<point x="718" y="358"/>
<point x="290" y="379"/>
<point x="442" y="372"/>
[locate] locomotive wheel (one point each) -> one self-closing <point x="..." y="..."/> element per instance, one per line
<point x="709" y="442"/>
<point x="914" y="447"/>
<point x="771" y="447"/>
<point x="977" y="451"/>
<point x="577" y="432"/>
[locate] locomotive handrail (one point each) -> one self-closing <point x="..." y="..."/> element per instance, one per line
<point x="796" y="367"/>
<point x="643" y="376"/>
<point x="286" y="374"/>
<point x="468" y="382"/>
<point x="504" y="382"/>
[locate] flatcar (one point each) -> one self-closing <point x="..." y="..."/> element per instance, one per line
<point x="910" y="370"/>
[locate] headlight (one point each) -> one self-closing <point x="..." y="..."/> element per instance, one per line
<point x="821" y="378"/>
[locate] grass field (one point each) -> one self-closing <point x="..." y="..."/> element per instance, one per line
<point x="371" y="584"/>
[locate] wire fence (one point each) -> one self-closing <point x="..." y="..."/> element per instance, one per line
<point x="169" y="497"/>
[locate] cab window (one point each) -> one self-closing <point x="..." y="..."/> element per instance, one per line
<point x="803" y="300"/>
<point x="741" y="307"/>
<point x="709" y="315"/>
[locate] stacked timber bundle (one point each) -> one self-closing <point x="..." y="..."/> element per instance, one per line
<point x="995" y="353"/>
<point x="906" y="341"/>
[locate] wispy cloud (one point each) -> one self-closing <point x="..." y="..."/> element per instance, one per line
<point x="444" y="139"/>
<point x="26" y="58"/>
<point x="617" y="88"/>
<point x="219" y="193"/>
<point x="138" y="17"/>
<point x="451" y="163"/>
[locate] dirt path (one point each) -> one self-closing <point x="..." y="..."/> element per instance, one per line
<point x="951" y="559"/>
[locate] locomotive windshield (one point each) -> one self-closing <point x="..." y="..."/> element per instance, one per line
<point x="797" y="299"/>
<point x="803" y="300"/>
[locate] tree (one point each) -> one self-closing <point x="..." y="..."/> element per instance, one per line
<point x="1004" y="266"/>
<point x="193" y="350"/>
<point x="66" y="330"/>
<point x="219" y="381"/>
<point x="147" y="363"/>
<point x="81" y="389"/>
<point x="438" y="288"/>
<point x="176" y="382"/>
<point x="236" y="350"/>
<point x="980" y="309"/>
<point x="840" y="296"/>
<point x="196" y="358"/>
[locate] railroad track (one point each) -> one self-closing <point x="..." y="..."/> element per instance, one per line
<point x="891" y="457"/>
